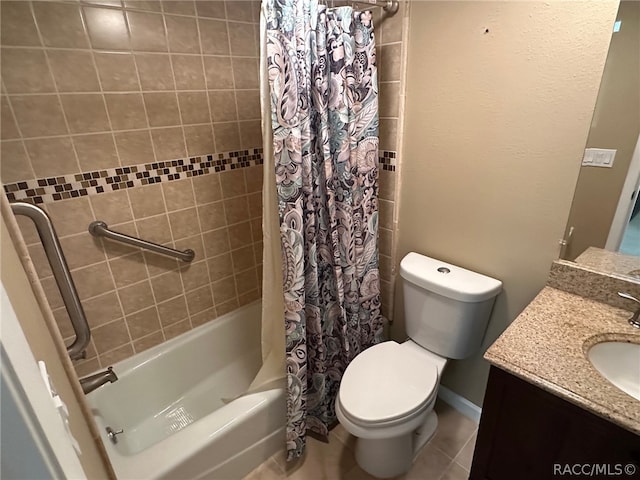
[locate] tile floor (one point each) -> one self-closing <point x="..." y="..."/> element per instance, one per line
<point x="447" y="456"/>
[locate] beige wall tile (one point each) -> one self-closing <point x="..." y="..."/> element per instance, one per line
<point x="107" y="28"/>
<point x="388" y="134"/>
<point x="390" y="62"/>
<point x="223" y="106"/>
<point x="117" y="71"/>
<point x="240" y="234"/>
<point x="194" y="107"/>
<point x="216" y="242"/>
<point x="134" y="147"/>
<point x="128" y="269"/>
<point x="93" y="280"/>
<point x="194" y="243"/>
<point x="389" y="99"/>
<point x="226" y="307"/>
<point x="183" y="34"/>
<point x="207" y="189"/>
<point x="52" y="293"/>
<point x="199" y="299"/>
<point x="159" y="264"/>
<point x="239" y="10"/>
<point x="60" y="25"/>
<point x="172" y="310"/>
<point x="220" y="266"/>
<point x="212" y="216"/>
<point x="62" y="321"/>
<point x="82" y="250"/>
<point x="166" y="286"/>
<point x="224" y="290"/>
<point x="38" y="115"/>
<point x="184" y="223"/>
<point x="251" y="134"/>
<point x="385" y="237"/>
<point x="147" y="32"/>
<point x="28" y="230"/>
<point x="243" y="258"/>
<point x="73" y="71"/>
<point x="236" y="210"/>
<point x="387" y="184"/>
<point x="207" y="8"/>
<point x="25" y="71"/>
<point x="168" y="143"/>
<point x="176" y="329"/>
<point x="256" y="229"/>
<point x="199" y="139"/>
<point x="242" y="40"/>
<point x="111" y="3"/>
<point x="248" y="104"/>
<point x="149" y="5"/>
<point x="188" y="72"/>
<point x="112" y="207"/>
<point x="96" y="152"/>
<point x="107" y="359"/>
<point x="253" y="178"/>
<point x="255" y="205"/>
<point x="136" y="297"/>
<point x="218" y="72"/>
<point x="148" y="342"/>
<point x="146" y="201"/>
<point x="143" y="323"/>
<point x="248" y="297"/>
<point x="195" y="275"/>
<point x="227" y="136"/>
<point x="85" y="367"/>
<point x="9" y="128"/>
<point x="85" y="113"/>
<point x="213" y="36"/>
<point x="117" y="249"/>
<point x="70" y="216"/>
<point x="162" y="109"/>
<point x="178" y="194"/>
<point x="203" y="317"/>
<point x="110" y="336"/>
<point x="245" y="72"/>
<point x="102" y="309"/>
<point x="246" y="281"/>
<point x="183" y="7"/>
<point x="155" y="229"/>
<point x="17" y="26"/>
<point x="36" y="252"/>
<point x="155" y="71"/>
<point x="126" y="111"/>
<point x="15" y="164"/>
<point x="52" y="156"/>
<point x="386" y="214"/>
<point x="233" y="183"/>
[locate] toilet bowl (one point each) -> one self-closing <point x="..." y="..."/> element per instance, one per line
<point x="388" y="391"/>
<point x="386" y="400"/>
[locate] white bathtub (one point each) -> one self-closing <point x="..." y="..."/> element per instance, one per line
<point x="169" y="402"/>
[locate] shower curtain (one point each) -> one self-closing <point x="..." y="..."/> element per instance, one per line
<point x="324" y="116"/>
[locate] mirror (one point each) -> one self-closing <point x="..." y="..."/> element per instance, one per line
<point x="603" y="230"/>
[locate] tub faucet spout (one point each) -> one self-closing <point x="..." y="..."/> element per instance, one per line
<point x="90" y="383"/>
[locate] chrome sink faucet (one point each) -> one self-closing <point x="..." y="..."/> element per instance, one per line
<point x="90" y="383"/>
<point x="635" y="318"/>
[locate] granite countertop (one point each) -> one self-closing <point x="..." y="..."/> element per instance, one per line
<point x="612" y="262"/>
<point x="546" y="346"/>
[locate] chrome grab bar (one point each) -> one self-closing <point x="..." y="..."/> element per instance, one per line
<point x="60" y="269"/>
<point x="101" y="229"/>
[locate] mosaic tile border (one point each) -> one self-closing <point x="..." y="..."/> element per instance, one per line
<point x="52" y="189"/>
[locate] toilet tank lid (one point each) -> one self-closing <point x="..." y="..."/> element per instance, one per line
<point x="448" y="280"/>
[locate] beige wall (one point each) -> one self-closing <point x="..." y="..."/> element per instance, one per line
<point x="616" y="125"/>
<point x="499" y="100"/>
<point x="43" y="346"/>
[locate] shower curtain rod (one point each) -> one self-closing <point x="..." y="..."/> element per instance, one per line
<point x="389" y="6"/>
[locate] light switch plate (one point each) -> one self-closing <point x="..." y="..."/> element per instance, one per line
<point x="598" y="157"/>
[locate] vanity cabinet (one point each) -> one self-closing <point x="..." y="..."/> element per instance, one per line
<point x="524" y="431"/>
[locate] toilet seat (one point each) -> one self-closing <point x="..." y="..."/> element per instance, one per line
<point x="387" y="384"/>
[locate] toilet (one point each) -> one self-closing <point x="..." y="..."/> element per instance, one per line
<point x="387" y="392"/>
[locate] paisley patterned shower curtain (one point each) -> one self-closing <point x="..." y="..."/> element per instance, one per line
<point x="324" y="100"/>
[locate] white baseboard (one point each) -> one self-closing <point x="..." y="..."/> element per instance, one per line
<point x="461" y="404"/>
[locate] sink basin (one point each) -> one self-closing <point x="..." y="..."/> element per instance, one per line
<point x="618" y="362"/>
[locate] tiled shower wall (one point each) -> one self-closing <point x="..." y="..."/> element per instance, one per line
<point x="143" y="114"/>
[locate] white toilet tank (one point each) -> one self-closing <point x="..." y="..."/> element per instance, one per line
<point x="446" y="307"/>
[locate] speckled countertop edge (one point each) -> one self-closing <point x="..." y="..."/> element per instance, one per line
<point x="546" y="346"/>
